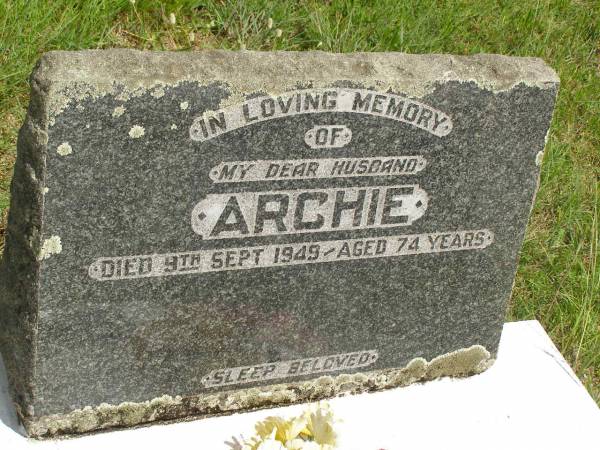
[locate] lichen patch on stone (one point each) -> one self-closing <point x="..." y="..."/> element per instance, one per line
<point x="173" y="127"/>
<point x="51" y="246"/>
<point x="64" y="149"/>
<point x="118" y="111"/>
<point x="158" y="92"/>
<point x="184" y="105"/>
<point x="379" y="71"/>
<point x="136" y="132"/>
<point x="460" y="363"/>
<point x="31" y="172"/>
<point x="539" y="157"/>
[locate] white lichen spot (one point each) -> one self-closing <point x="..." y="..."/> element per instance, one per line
<point x="173" y="127"/>
<point x="123" y="96"/>
<point x="539" y="158"/>
<point x="136" y="132"/>
<point x="31" y="172"/>
<point x="51" y="246"/>
<point x="184" y="105"/>
<point x="64" y="149"/>
<point x="547" y="136"/>
<point x="158" y="92"/>
<point x="118" y="111"/>
<point x="45" y="190"/>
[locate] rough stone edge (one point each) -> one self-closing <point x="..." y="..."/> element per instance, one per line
<point x="20" y="265"/>
<point x="538" y="162"/>
<point x="459" y="363"/>
<point x="77" y="75"/>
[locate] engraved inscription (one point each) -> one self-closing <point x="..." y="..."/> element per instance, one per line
<point x="243" y="214"/>
<point x="310" y="101"/>
<point x="328" y="136"/>
<point x="288" y="369"/>
<point x="273" y="255"/>
<point x="306" y="169"/>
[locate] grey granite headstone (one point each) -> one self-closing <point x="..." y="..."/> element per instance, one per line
<point x="200" y="233"/>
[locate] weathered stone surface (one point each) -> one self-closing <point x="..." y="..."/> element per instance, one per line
<point x="198" y="233"/>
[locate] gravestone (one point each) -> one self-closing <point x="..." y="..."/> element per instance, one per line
<point x="202" y="233"/>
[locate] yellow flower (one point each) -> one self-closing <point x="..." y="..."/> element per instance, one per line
<point x="270" y="443"/>
<point x="313" y="430"/>
<point x="285" y="430"/>
<point x="295" y="444"/>
<point x="320" y="425"/>
<point x="306" y="445"/>
<point x="248" y="444"/>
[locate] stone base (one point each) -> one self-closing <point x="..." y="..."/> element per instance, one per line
<point x="530" y="388"/>
<point x="461" y="363"/>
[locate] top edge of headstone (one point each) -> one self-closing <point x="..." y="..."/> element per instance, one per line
<point x="75" y="75"/>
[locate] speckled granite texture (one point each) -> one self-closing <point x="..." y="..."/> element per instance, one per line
<point x="197" y="233"/>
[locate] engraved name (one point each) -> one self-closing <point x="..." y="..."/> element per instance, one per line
<point x="310" y="101"/>
<point x="243" y="214"/>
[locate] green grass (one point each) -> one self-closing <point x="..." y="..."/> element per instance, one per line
<point x="558" y="280"/>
